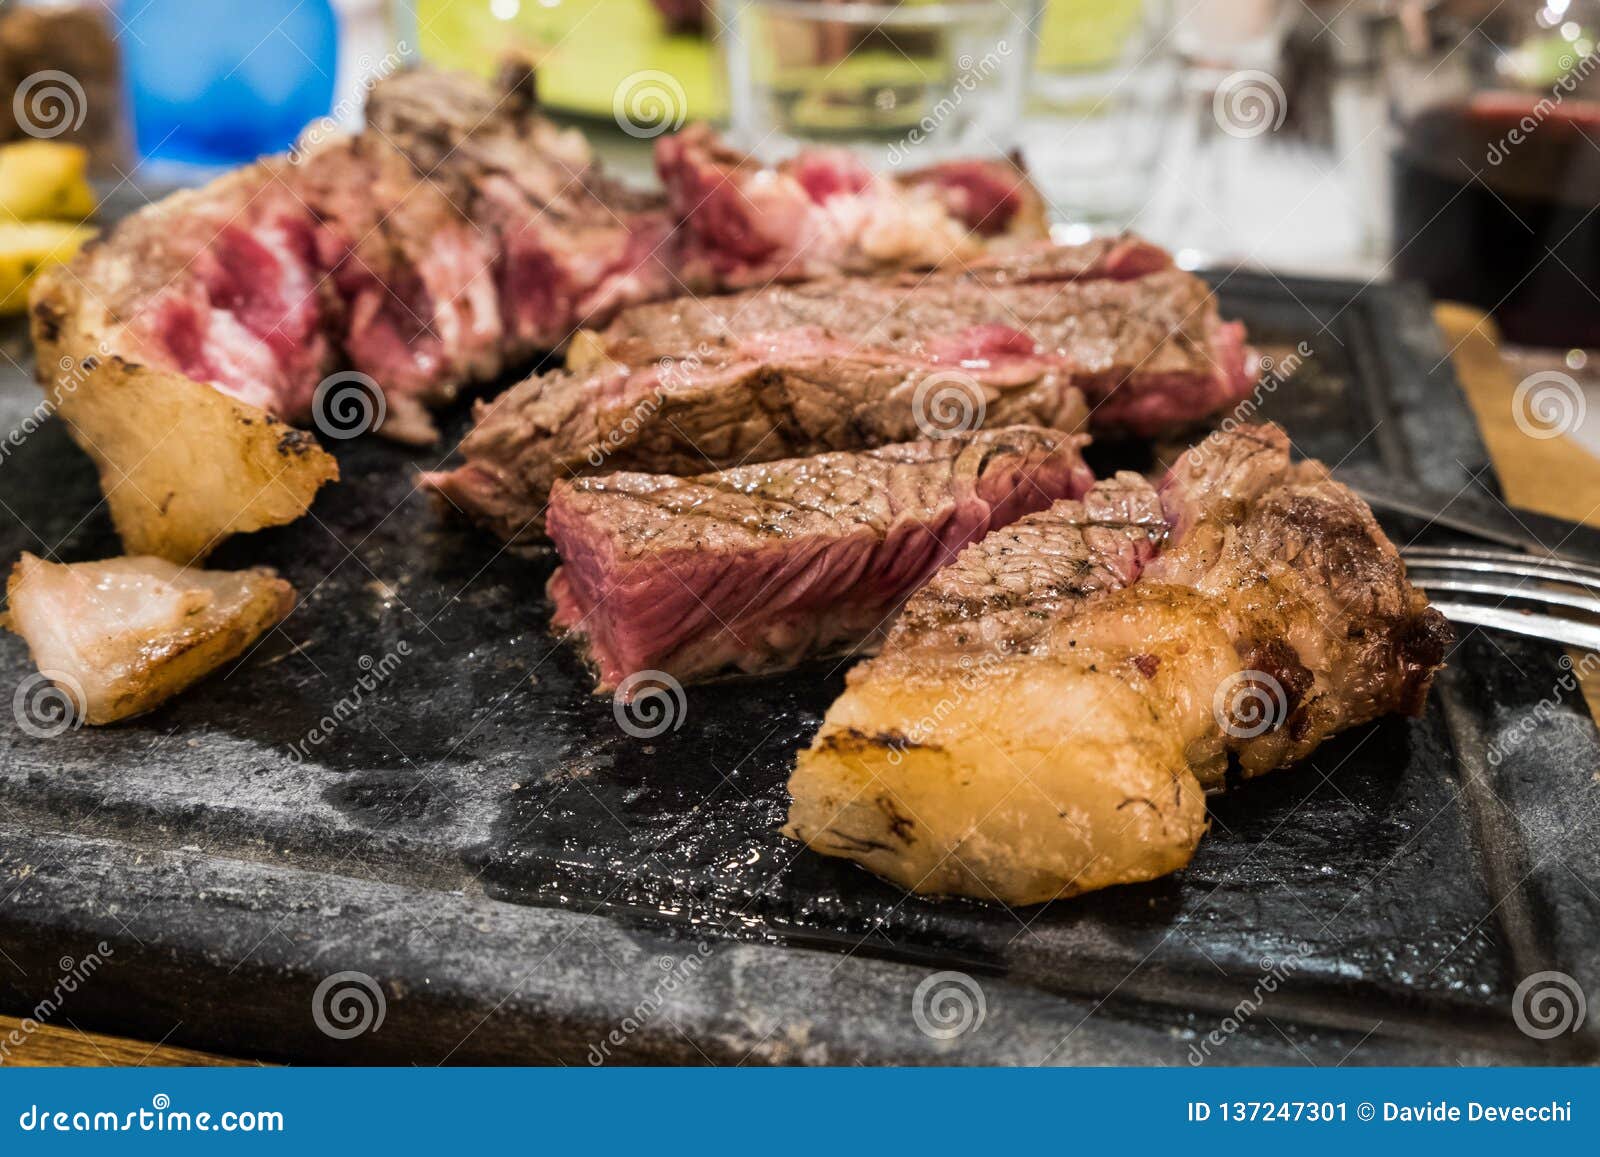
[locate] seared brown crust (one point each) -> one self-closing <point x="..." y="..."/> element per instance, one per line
<point x="837" y="363"/>
<point x="1161" y="323"/>
<point x="1316" y="595"/>
<point x="750" y="507"/>
<point x="759" y="566"/>
<point x="656" y="419"/>
<point x="1003" y="593"/>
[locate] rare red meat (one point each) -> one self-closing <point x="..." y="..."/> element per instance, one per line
<point x="758" y="567"/>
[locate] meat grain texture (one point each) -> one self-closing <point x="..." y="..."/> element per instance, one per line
<point x="1048" y="712"/>
<point x="758" y="567"/>
<point x="1105" y="335"/>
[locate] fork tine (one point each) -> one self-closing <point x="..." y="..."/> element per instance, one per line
<point x="1423" y="562"/>
<point x="1552" y="630"/>
<point x="1460" y="556"/>
<point x="1576" y="602"/>
<point x="1493" y="553"/>
<point x="1513" y="566"/>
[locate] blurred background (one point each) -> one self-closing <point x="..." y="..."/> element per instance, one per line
<point x="1455" y="142"/>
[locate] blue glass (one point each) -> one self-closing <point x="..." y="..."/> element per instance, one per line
<point x="220" y="82"/>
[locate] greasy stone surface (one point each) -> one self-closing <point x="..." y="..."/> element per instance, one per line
<point x="482" y="827"/>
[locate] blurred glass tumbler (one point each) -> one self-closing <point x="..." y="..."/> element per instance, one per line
<point x="899" y="82"/>
<point x="1100" y="104"/>
<point x="215" y="84"/>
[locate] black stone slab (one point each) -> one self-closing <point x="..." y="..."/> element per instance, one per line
<point x="483" y="836"/>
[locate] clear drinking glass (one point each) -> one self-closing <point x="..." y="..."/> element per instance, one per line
<point x="1100" y="103"/>
<point x="899" y="82"/>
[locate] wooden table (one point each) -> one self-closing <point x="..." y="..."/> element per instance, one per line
<point x="1527" y="468"/>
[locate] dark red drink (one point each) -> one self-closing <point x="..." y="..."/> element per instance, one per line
<point x="1495" y="204"/>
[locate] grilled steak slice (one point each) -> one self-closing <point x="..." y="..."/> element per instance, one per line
<point x="569" y="242"/>
<point x="1001" y="595"/>
<point x="841" y="364"/>
<point x="758" y="567"/>
<point x="419" y="308"/>
<point x="462" y="231"/>
<point x="576" y="246"/>
<point x="735" y="406"/>
<point x="1150" y="352"/>
<point x="908" y="310"/>
<point x="219" y="284"/>
<point x="824" y="212"/>
<point x="1275" y="614"/>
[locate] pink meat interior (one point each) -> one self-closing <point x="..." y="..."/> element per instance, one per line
<point x="693" y="612"/>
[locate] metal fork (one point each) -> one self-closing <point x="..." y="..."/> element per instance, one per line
<point x="1555" y="598"/>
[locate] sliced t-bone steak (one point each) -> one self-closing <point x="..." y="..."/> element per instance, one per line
<point x="569" y="243"/>
<point x="420" y="314"/>
<point x="851" y="363"/>
<point x="460" y="232"/>
<point x="758" y="567"/>
<point x="1093" y="691"/>
<point x="682" y="417"/>
<point x="575" y="245"/>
